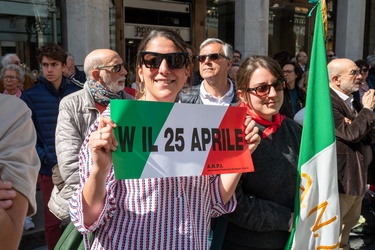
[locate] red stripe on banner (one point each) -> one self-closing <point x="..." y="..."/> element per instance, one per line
<point x="229" y="151"/>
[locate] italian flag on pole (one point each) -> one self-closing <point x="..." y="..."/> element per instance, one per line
<point x="317" y="210"/>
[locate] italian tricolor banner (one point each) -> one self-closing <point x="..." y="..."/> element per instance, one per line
<point x="317" y="215"/>
<point x="158" y="139"/>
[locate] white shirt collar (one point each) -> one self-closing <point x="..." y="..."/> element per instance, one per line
<point x="209" y="99"/>
<point x="346" y="98"/>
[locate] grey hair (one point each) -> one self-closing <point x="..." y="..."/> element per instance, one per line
<point x="17" y="69"/>
<point x="5" y="60"/>
<point x="90" y="64"/>
<point x="69" y="56"/>
<point x="227" y="48"/>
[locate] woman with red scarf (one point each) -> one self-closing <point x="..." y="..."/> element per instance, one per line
<point x="264" y="214"/>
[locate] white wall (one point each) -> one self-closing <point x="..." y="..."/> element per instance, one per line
<point x="350" y="26"/>
<point x="87" y="27"/>
<point x="251" y="27"/>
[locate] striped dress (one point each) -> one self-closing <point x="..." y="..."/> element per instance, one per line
<point x="154" y="213"/>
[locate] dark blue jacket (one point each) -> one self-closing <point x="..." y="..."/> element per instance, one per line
<point x="43" y="100"/>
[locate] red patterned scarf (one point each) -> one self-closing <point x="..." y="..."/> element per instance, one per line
<point x="272" y="126"/>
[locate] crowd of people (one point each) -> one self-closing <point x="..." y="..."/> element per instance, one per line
<point x="58" y="133"/>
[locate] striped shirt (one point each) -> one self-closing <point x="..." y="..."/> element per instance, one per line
<point x="154" y="213"/>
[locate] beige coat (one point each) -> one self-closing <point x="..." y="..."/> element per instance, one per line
<point x="19" y="161"/>
<point x="77" y="112"/>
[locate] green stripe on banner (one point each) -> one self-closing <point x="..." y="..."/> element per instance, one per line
<point x="318" y="122"/>
<point x="139" y="117"/>
<point x="316" y="211"/>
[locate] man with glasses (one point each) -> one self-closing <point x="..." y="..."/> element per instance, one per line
<point x="215" y="60"/>
<point x="354" y="129"/>
<point x="106" y="76"/>
<point x="14" y="59"/>
<point x="43" y="99"/>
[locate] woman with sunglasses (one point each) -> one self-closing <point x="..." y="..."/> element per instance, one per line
<point x="154" y="213"/>
<point x="364" y="67"/>
<point x="264" y="214"/>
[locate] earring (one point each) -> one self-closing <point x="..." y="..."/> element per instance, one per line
<point x="185" y="89"/>
<point x="142" y="88"/>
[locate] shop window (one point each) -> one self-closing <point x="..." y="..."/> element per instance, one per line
<point x="288" y="25"/>
<point x="220" y="15"/>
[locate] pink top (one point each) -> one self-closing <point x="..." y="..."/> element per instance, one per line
<point x="18" y="93"/>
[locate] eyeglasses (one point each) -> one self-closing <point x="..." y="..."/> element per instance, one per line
<point x="212" y="57"/>
<point x="364" y="70"/>
<point x="331" y="55"/>
<point x="288" y="71"/>
<point x="265" y="89"/>
<point x="174" y="60"/>
<point x="237" y="57"/>
<point x="355" y="72"/>
<point x="116" y="67"/>
<point x="10" y="77"/>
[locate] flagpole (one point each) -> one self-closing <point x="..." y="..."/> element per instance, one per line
<point x="316" y="209"/>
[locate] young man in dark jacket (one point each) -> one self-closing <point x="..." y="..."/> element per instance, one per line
<point x="43" y="100"/>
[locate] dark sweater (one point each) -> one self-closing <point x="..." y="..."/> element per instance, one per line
<point x="266" y="196"/>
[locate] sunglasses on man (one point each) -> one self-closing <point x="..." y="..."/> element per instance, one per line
<point x="116" y="67"/>
<point x="153" y="60"/>
<point x="213" y="57"/>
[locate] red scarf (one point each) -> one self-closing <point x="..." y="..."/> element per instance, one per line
<point x="272" y="126"/>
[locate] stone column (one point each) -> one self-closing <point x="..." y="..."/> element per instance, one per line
<point x="350" y="25"/>
<point x="251" y="27"/>
<point x="87" y="27"/>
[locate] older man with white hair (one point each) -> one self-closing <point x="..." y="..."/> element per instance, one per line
<point x="354" y="129"/>
<point x="105" y="74"/>
<point x="215" y="60"/>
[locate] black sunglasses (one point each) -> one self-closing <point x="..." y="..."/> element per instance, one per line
<point x="116" y="67"/>
<point x="265" y="89"/>
<point x="364" y="70"/>
<point x="212" y="57"/>
<point x="153" y="60"/>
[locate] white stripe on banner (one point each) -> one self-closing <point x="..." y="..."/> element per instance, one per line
<point x="189" y="162"/>
<point x="319" y="209"/>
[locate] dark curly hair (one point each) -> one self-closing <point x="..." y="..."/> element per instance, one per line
<point x="52" y="50"/>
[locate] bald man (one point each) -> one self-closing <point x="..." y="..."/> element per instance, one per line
<point x="105" y="75"/>
<point x="354" y="128"/>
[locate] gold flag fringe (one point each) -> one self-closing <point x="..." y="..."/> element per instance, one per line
<point x="325" y="17"/>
